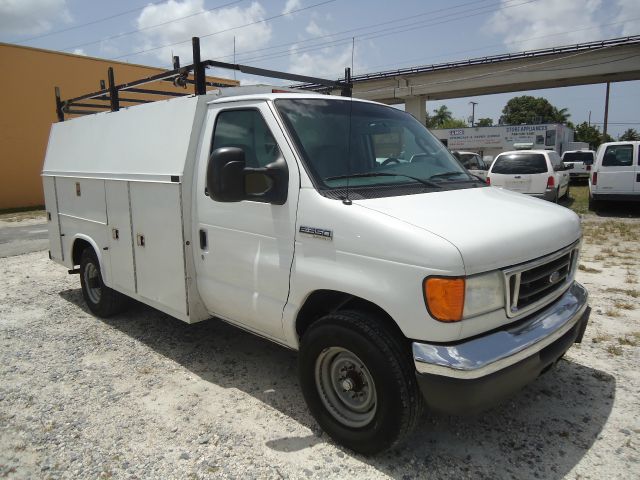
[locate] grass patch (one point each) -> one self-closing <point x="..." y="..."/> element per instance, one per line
<point x="632" y="340"/>
<point x="624" y="305"/>
<point x="612" y="312"/>
<point x="614" y="350"/>
<point x="601" y="338"/>
<point x="626" y="291"/>
<point x="586" y="269"/>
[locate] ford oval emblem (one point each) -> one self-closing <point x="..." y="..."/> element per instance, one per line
<point x="554" y="277"/>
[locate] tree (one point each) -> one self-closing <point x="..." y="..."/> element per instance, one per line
<point x="454" y="123"/>
<point x="484" y="122"/>
<point x="591" y="135"/>
<point x="630" y="134"/>
<point x="528" y="109"/>
<point x="439" y="117"/>
<point x="561" y="116"/>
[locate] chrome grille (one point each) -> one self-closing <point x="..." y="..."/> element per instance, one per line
<point x="537" y="283"/>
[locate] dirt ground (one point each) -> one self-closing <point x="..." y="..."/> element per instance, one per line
<point x="143" y="395"/>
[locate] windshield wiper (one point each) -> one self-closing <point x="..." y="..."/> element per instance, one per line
<point x="447" y="175"/>
<point x="380" y="174"/>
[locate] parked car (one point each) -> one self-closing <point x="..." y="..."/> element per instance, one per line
<point x="616" y="173"/>
<point x="539" y="173"/>
<point x="271" y="211"/>
<point x="581" y="161"/>
<point x="472" y="162"/>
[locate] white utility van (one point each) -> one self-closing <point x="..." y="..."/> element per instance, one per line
<point x="616" y="173"/>
<point x="271" y="212"/>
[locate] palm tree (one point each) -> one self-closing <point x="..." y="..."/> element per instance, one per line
<point x="440" y="117"/>
<point x="561" y="116"/>
<point x="630" y="134"/>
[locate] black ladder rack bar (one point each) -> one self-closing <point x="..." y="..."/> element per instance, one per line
<point x="274" y="74"/>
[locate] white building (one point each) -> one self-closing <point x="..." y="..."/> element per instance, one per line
<point x="490" y="141"/>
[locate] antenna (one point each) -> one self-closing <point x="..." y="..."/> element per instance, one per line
<point x="347" y="92"/>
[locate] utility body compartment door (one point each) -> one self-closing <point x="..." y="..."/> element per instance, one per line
<point x="119" y="234"/>
<point x="53" y="222"/>
<point x="158" y="243"/>
<point x="246" y="247"/>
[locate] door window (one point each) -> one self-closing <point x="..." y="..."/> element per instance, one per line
<point x="246" y="129"/>
<point x="618" y="156"/>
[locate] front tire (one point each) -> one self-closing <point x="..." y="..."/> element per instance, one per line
<point x="359" y="382"/>
<point x="101" y="300"/>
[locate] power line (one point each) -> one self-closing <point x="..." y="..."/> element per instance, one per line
<point x="227" y="29"/>
<point x="119" y="35"/>
<point x="93" y="22"/>
<point x="333" y="34"/>
<point x="379" y="33"/>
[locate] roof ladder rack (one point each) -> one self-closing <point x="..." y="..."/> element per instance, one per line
<point x="109" y="96"/>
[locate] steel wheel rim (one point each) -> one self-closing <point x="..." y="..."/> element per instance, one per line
<point x="92" y="277"/>
<point x="346" y="387"/>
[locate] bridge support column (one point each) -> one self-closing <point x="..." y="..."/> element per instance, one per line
<point x="416" y="106"/>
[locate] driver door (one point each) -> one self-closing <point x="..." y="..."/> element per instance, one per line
<point x="246" y="247"/>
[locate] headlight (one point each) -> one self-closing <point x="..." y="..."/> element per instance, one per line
<point x="483" y="293"/>
<point x="453" y="299"/>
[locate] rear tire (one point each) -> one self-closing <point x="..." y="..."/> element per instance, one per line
<point x="101" y="300"/>
<point x="358" y="379"/>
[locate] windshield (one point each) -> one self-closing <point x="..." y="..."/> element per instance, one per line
<point x="585" y="157"/>
<point x="520" y="163"/>
<point x="366" y="145"/>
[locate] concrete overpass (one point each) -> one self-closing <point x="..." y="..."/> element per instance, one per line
<point x="614" y="60"/>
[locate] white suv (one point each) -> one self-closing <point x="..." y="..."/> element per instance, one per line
<point x="539" y="173"/>
<point x="615" y="174"/>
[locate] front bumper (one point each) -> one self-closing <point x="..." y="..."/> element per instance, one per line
<point x="474" y="374"/>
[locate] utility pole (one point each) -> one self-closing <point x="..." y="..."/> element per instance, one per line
<point x="606" y="113"/>
<point x="473" y="113"/>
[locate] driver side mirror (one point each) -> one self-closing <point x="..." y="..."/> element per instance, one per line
<point x="228" y="178"/>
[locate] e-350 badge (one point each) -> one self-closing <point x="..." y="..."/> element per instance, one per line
<point x="317" y="232"/>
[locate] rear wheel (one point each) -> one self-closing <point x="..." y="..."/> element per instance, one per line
<point x="359" y="382"/>
<point x="101" y="300"/>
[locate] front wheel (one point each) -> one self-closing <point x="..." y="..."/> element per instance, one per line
<point x="359" y="382"/>
<point x="101" y="300"/>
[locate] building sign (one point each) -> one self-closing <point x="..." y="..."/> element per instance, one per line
<point x="500" y="137"/>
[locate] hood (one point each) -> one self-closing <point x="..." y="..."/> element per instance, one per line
<point x="491" y="227"/>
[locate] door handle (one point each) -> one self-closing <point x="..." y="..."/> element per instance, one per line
<point x="140" y="240"/>
<point x="115" y="233"/>
<point x="203" y="239"/>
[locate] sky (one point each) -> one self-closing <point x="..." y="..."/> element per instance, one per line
<point x="322" y="37"/>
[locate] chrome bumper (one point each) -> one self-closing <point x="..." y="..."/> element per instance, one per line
<point x="495" y="351"/>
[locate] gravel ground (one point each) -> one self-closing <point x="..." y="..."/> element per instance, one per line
<point x="145" y="396"/>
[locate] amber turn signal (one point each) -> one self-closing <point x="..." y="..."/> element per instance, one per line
<point x="444" y="298"/>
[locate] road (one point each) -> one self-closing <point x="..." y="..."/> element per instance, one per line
<point x="20" y="239"/>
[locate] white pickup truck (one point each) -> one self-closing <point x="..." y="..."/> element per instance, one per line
<point x="581" y="162"/>
<point x="270" y="212"/>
